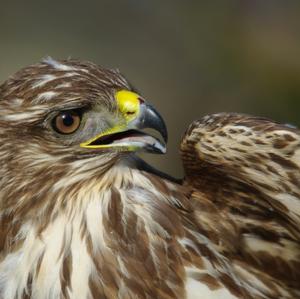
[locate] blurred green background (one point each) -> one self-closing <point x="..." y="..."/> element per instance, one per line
<point x="188" y="58"/>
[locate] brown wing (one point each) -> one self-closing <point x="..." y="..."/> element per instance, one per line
<point x="249" y="170"/>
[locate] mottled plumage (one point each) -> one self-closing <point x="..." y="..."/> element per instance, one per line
<point x="78" y="222"/>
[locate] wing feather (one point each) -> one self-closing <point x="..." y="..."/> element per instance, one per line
<point x="249" y="169"/>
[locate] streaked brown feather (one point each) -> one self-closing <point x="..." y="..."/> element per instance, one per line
<point x="246" y="175"/>
<point x="107" y="226"/>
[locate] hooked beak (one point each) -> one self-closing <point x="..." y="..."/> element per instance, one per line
<point x="128" y="136"/>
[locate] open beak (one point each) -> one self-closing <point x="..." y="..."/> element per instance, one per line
<point x="128" y="136"/>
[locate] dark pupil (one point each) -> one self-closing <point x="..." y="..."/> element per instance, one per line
<point x="68" y="119"/>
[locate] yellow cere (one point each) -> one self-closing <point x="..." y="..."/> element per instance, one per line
<point x="128" y="104"/>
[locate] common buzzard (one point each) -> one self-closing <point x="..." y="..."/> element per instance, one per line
<point x="82" y="216"/>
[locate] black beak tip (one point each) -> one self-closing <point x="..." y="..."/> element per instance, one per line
<point x="164" y="133"/>
<point x="154" y="120"/>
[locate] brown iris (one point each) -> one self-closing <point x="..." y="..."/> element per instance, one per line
<point x="67" y="122"/>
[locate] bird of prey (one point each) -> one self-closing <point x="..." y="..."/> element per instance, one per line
<point x="83" y="216"/>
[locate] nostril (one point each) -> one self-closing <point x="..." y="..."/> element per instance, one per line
<point x="141" y="100"/>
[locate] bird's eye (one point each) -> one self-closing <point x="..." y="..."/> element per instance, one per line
<point x="67" y="122"/>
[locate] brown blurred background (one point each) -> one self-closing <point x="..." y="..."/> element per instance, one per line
<point x="188" y="58"/>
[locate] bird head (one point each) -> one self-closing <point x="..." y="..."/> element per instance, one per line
<point x="63" y="122"/>
<point x="74" y="110"/>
